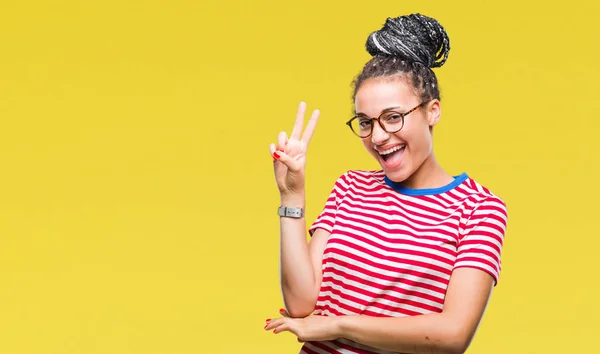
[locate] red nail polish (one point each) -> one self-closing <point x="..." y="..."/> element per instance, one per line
<point x="266" y="326"/>
<point x="268" y="319"/>
<point x="276" y="155"/>
<point x="281" y="310"/>
<point x="275" y="330"/>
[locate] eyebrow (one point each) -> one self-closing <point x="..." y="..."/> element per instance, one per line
<point x="382" y="112"/>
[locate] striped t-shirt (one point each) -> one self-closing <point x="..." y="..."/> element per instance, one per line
<point x="392" y="250"/>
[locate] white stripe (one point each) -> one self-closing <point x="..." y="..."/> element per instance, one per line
<point x="398" y="230"/>
<point x="335" y="348"/>
<point x="478" y="265"/>
<point x="408" y="258"/>
<point x="369" y="300"/>
<point x="400" y="296"/>
<point x="360" y="264"/>
<point x="364" y="347"/>
<point x="363" y="180"/>
<point x="358" y="308"/>
<point x="387" y="283"/>
<point x="316" y="349"/>
<point x="376" y="200"/>
<point x="338" y="309"/>
<point x="472" y="250"/>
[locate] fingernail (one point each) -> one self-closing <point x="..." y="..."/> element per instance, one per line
<point x="268" y="319"/>
<point x="266" y="326"/>
<point x="281" y="310"/>
<point x="276" y="155"/>
<point x="275" y="330"/>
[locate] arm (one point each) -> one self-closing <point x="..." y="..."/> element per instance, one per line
<point x="475" y="273"/>
<point x="450" y="331"/>
<point x="300" y="262"/>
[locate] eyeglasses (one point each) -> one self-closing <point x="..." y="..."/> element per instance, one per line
<point x="390" y="121"/>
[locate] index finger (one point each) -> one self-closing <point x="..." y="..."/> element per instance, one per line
<point x="310" y="127"/>
<point x="299" y="121"/>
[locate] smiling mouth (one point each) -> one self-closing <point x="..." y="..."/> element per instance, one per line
<point x="389" y="153"/>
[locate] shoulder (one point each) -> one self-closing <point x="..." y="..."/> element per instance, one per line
<point x="482" y="199"/>
<point x="358" y="180"/>
<point x="364" y="176"/>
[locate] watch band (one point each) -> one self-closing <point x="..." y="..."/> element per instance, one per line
<point x="290" y="212"/>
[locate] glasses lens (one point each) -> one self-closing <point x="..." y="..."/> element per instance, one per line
<point x="361" y="126"/>
<point x="392" y="122"/>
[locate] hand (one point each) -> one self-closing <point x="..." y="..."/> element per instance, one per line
<point x="311" y="328"/>
<point x="289" y="156"/>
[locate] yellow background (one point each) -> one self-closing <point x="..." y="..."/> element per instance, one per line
<point x="137" y="202"/>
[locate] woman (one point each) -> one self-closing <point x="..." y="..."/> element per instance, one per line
<point x="402" y="259"/>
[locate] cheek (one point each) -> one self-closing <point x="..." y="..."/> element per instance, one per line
<point x="418" y="140"/>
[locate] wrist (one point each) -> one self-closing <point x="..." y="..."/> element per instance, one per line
<point x="293" y="200"/>
<point x="339" y="326"/>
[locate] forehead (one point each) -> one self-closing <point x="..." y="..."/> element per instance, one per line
<point x="375" y="95"/>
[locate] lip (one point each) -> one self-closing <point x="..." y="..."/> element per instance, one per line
<point x="386" y="147"/>
<point x="388" y="166"/>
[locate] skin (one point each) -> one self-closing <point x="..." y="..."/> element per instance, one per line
<point x="419" y="168"/>
<point x="469" y="290"/>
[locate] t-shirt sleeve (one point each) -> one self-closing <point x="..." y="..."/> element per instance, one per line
<point x="326" y="220"/>
<point x="482" y="237"/>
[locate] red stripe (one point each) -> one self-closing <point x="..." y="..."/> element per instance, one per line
<point x="398" y="270"/>
<point x="480" y="268"/>
<point x="405" y="238"/>
<point x="393" y="201"/>
<point x="400" y="278"/>
<point x="376" y="186"/>
<point x="413" y="225"/>
<point x="395" y="259"/>
<point x="307" y="350"/>
<point x="367" y="312"/>
<point x="386" y="289"/>
<point x="335" y="312"/>
<point x="472" y="259"/>
<point x="384" y="296"/>
<point x="352" y="349"/>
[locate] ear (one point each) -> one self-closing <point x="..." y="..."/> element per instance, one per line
<point x="434" y="112"/>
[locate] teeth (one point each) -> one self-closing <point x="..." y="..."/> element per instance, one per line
<point x="389" y="151"/>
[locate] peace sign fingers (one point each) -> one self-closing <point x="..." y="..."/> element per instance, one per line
<point x="310" y="127"/>
<point x="289" y="154"/>
<point x="299" y="124"/>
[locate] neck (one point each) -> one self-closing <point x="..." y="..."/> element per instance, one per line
<point x="429" y="175"/>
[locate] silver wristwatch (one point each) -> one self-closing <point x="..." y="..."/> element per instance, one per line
<point x="290" y="212"/>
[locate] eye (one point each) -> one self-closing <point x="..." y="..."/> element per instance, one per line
<point x="364" y="123"/>
<point x="393" y="117"/>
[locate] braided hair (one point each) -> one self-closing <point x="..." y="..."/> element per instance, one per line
<point x="409" y="47"/>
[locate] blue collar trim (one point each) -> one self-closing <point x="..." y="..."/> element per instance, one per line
<point x="427" y="191"/>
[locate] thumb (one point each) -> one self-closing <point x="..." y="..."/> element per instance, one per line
<point x="292" y="164"/>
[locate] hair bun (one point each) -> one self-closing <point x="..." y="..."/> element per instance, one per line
<point x="413" y="37"/>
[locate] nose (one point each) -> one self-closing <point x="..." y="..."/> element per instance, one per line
<point x="378" y="135"/>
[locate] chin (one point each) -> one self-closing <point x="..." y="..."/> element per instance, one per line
<point x="397" y="175"/>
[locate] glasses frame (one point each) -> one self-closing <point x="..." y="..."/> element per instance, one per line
<point x="378" y="119"/>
